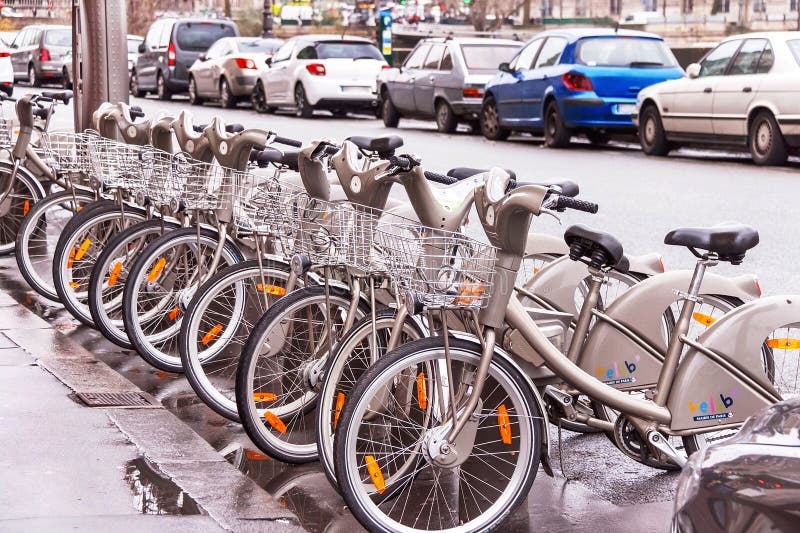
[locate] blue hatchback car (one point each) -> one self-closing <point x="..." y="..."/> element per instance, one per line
<point x="575" y="81"/>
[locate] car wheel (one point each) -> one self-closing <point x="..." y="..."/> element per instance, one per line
<point x="133" y="86"/>
<point x="389" y="113"/>
<point x="446" y="121"/>
<point x="303" y="108"/>
<point x="767" y="145"/>
<point x="226" y="97"/>
<point x="652" y="136"/>
<point x="490" y="122"/>
<point x="194" y="99"/>
<point x="65" y="81"/>
<point x="161" y="88"/>
<point x="33" y="78"/>
<point x="259" y="99"/>
<point x="556" y="134"/>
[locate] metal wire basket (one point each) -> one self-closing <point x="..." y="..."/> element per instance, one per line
<point x="116" y="164"/>
<point x="159" y="187"/>
<point x="437" y="268"/>
<point x="202" y="186"/>
<point x="261" y="204"/>
<point x="66" y="151"/>
<point x="7" y="132"/>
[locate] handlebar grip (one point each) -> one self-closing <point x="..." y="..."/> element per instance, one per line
<point x="198" y="128"/>
<point x="404" y="163"/>
<point x="288" y="142"/>
<point x="136" y="112"/>
<point x="233" y="128"/>
<point x="62" y="96"/>
<point x="565" y="202"/>
<point x="439" y="178"/>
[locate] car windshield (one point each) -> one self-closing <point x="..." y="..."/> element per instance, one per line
<point x="260" y="45"/>
<point x="347" y="50"/>
<point x="59" y="37"/>
<point x="794" y="46"/>
<point x="198" y="36"/>
<point x="487" y="57"/>
<point x="624" y="52"/>
<point x="133" y="46"/>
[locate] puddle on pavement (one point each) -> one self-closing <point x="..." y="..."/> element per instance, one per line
<point x="153" y="493"/>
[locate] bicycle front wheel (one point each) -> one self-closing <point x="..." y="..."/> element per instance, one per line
<point x="25" y="192"/>
<point x="392" y="471"/>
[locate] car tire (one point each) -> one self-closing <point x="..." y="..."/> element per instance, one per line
<point x="652" y="136"/>
<point x="259" y="99"/>
<point x="302" y="108"/>
<point x="133" y="86"/>
<point x="162" y="91"/>
<point x="389" y="113"/>
<point x="194" y="99"/>
<point x="33" y="78"/>
<point x="556" y="133"/>
<point x="765" y="140"/>
<point x="490" y="122"/>
<point x="66" y="84"/>
<point x="226" y="96"/>
<point x="446" y="120"/>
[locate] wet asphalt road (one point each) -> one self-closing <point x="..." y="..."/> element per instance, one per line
<point x="641" y="199"/>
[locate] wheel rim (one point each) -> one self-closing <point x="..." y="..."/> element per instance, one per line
<point x="134" y="85"/>
<point x="300" y="99"/>
<point x="160" y="86"/>
<point x="31" y="75"/>
<point x="259" y="98"/>
<point x="763" y="138"/>
<point x="225" y="95"/>
<point x="650" y="130"/>
<point x="552" y="127"/>
<point x="192" y="91"/>
<point x="441" y="115"/>
<point x="490" y="119"/>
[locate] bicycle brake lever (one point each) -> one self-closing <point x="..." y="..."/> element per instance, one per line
<point x="551" y="213"/>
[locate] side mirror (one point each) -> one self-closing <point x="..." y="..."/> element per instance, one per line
<point x="142" y="48"/>
<point x="202" y="57"/>
<point x="505" y="67"/>
<point x="268" y="61"/>
<point x="693" y="70"/>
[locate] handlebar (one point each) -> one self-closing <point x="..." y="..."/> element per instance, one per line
<point x="566" y="202"/>
<point x="229" y="128"/>
<point x="439" y="178"/>
<point x="60" y="96"/>
<point x="284" y="140"/>
<point x="136" y="112"/>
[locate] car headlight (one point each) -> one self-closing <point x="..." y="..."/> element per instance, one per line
<point x="689" y="480"/>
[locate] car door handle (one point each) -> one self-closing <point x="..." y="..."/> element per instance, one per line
<point x="707" y="90"/>
<point x="432" y="78"/>
<point x="747" y="90"/>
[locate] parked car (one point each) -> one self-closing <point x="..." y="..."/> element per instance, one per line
<point x="743" y="94"/>
<point x="747" y="484"/>
<point x="229" y="70"/>
<point x="330" y="72"/>
<point x="133" y="51"/>
<point x="170" y="47"/>
<point x="37" y="51"/>
<point x="571" y="81"/>
<point x="6" y="71"/>
<point x="442" y="79"/>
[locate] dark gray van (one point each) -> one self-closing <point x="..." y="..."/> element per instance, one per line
<point x="37" y="51"/>
<point x="170" y="47"/>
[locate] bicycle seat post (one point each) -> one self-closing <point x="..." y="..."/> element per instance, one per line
<point x="596" y="279"/>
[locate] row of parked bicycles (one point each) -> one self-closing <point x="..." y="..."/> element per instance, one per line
<point x="420" y="363"/>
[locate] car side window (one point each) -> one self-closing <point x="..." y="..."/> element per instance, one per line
<point x="447" y="60"/>
<point x="153" y="34"/>
<point x="525" y="58"/>
<point x="766" y="60"/>
<point x="747" y="58"/>
<point x="166" y="33"/>
<point x="434" y="57"/>
<point x="19" y="39"/>
<point x="284" y="52"/>
<point x="551" y="52"/>
<point x="717" y="59"/>
<point x="307" y="52"/>
<point x="417" y="56"/>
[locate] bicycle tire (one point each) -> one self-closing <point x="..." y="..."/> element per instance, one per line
<point x="25" y="192"/>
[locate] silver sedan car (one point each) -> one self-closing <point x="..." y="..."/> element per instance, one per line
<point x="742" y="95"/>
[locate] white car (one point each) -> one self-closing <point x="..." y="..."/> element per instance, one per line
<point x="6" y="71"/>
<point x="321" y="72"/>
<point x="743" y="95"/>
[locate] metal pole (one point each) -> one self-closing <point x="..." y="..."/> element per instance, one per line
<point x="267" y="25"/>
<point x="99" y="34"/>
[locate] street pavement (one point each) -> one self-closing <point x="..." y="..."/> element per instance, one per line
<point x="641" y="199"/>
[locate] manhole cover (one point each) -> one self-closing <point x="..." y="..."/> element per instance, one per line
<point x="116" y="399"/>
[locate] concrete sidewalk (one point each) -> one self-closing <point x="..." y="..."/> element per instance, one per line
<point x="65" y="465"/>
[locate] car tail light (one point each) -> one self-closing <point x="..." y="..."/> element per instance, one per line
<point x="386" y="67"/>
<point x="245" y="63"/>
<point x="5" y="54"/>
<point x="473" y="92"/>
<point x="316" y="69"/>
<point x="575" y="81"/>
<point x="44" y="54"/>
<point x="171" y="56"/>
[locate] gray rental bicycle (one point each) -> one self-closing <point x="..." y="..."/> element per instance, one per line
<point x="446" y="433"/>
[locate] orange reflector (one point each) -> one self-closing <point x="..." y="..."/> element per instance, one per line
<point x="78" y="209"/>
<point x="114" y="275"/>
<point x="82" y="250"/>
<point x="26" y="207"/>
<point x="74" y="285"/>
<point x="504" y="424"/>
<point x="536" y="270"/>
<point x="71" y="258"/>
<point x="264" y="397"/>
<point x="276" y="423"/>
<point x="784" y="344"/>
<point x="339" y="404"/>
<point x="212" y="334"/>
<point x="255" y="456"/>
<point x="160" y="374"/>
<point x="174" y="313"/>
<point x="271" y="289"/>
<point x="156" y="270"/>
<point x="704" y="319"/>
<point x="422" y="391"/>
<point x="375" y="474"/>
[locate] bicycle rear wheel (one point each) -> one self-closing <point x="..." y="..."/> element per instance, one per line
<point x="392" y="472"/>
<point x="25" y="192"/>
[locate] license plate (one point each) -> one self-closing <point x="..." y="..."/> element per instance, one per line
<point x="625" y="109"/>
<point x="354" y="89"/>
